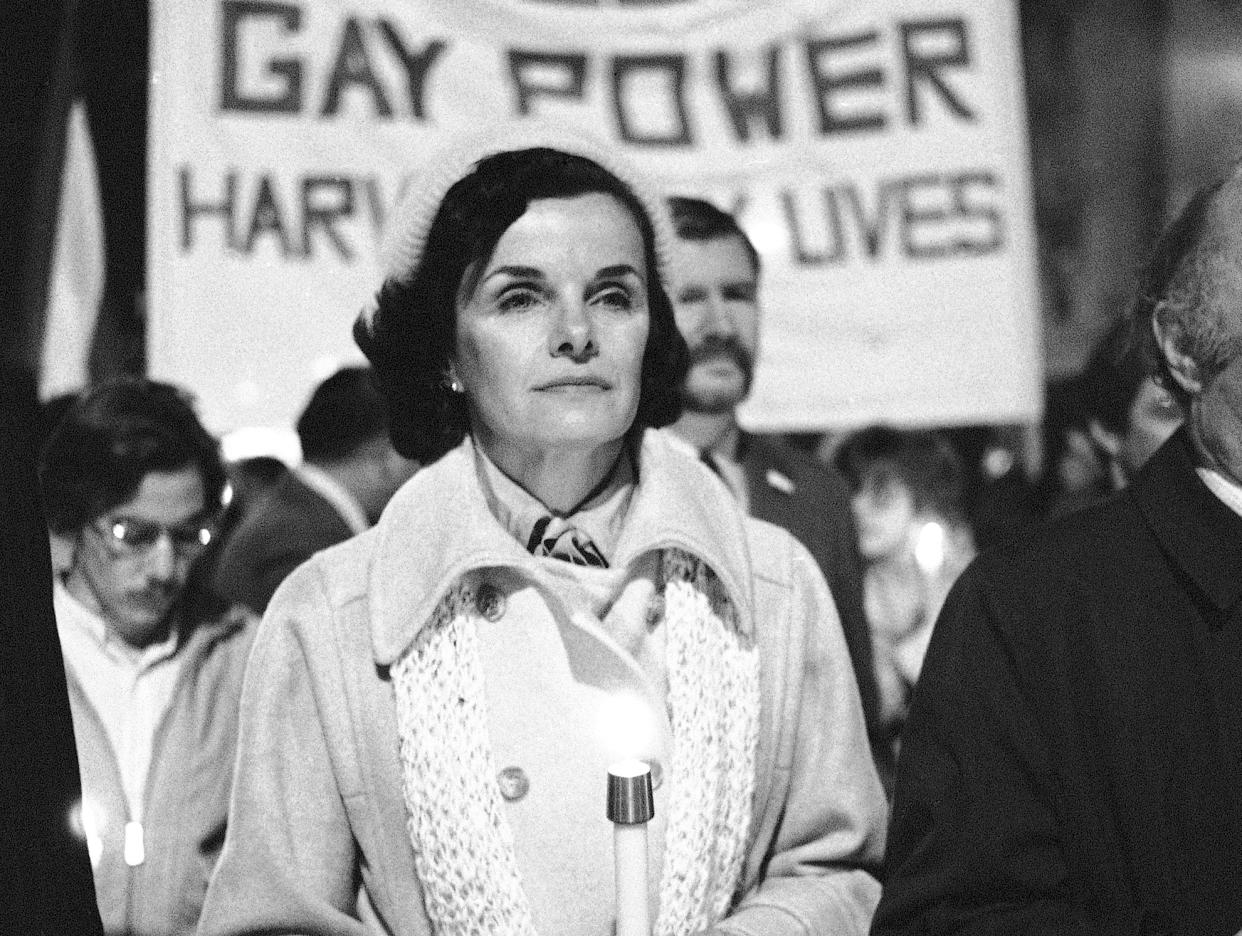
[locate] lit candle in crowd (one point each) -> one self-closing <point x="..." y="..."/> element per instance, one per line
<point x="630" y="808"/>
<point x="929" y="548"/>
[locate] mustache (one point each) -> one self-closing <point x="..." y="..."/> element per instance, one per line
<point x="713" y="347"/>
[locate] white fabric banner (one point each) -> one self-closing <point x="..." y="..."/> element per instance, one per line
<point x="874" y="149"/>
<point x="77" y="277"/>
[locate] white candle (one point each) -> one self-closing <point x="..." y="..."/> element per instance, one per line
<point x="630" y="808"/>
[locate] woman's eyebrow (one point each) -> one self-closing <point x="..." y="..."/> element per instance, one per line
<point x="620" y="269"/>
<point x="525" y="272"/>
<point x="518" y="272"/>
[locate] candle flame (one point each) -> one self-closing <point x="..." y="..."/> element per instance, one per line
<point x="87" y="821"/>
<point x="629" y="768"/>
<point x="628" y="727"/>
<point x="929" y="548"/>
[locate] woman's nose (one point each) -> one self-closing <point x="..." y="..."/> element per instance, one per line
<point x="573" y="331"/>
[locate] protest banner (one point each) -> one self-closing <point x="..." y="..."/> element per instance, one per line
<point x="875" y="151"/>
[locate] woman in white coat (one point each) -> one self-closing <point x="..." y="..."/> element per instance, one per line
<point x="431" y="707"/>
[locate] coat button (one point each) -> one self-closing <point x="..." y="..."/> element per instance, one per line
<point x="513" y="783"/>
<point x="490" y="602"/>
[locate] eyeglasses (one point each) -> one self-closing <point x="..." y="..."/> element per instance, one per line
<point x="128" y="536"/>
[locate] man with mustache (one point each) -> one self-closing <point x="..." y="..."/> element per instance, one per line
<point x="716" y="301"/>
<point x="133" y="482"/>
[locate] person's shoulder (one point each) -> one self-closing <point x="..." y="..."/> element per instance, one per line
<point x="220" y="636"/>
<point x="680" y="473"/>
<point x="791" y="470"/>
<point x="778" y="558"/>
<point x="1071" y="537"/>
<point x="270" y="512"/>
<point x="295" y="509"/>
<point x="317" y="609"/>
<point x="1071" y="561"/>
<point x="330" y="578"/>
<point x="345" y="565"/>
<point x="777" y="452"/>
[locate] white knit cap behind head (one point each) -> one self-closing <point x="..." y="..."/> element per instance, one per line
<point x="405" y="235"/>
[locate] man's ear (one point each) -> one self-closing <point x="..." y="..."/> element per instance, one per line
<point x="1183" y="368"/>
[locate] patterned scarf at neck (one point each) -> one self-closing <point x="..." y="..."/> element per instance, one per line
<point x="552" y="536"/>
<point x="583" y="535"/>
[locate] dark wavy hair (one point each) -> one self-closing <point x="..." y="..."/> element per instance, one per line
<point x="413" y="333"/>
<point x="921" y="459"/>
<point x="343" y="413"/>
<point x="697" y="220"/>
<point x="110" y="439"/>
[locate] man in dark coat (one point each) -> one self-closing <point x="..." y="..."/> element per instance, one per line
<point x="46" y="887"/>
<point x="717" y="306"/>
<point x="791" y="489"/>
<point x="349" y="472"/>
<point x="1073" y="759"/>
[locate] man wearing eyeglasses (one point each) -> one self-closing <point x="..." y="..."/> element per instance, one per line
<point x="133" y="481"/>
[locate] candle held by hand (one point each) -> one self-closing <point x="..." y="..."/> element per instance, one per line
<point x="630" y="807"/>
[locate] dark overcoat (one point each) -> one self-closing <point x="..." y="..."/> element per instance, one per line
<point x="1073" y="759"/>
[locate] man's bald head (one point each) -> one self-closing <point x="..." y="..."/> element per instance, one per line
<point x="1190" y="299"/>
<point x="1191" y="287"/>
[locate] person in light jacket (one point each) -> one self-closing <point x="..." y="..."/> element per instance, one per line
<point x="431" y="708"/>
<point x="132" y="483"/>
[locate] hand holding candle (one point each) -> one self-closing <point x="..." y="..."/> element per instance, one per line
<point x="630" y="807"/>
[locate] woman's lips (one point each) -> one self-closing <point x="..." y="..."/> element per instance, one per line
<point x="575" y="383"/>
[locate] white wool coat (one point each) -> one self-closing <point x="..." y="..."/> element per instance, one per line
<point x="317" y="839"/>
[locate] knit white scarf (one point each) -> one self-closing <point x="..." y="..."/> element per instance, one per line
<point x="463" y="846"/>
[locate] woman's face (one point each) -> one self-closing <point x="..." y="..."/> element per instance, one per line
<point x="550" y="341"/>
<point x="884" y="513"/>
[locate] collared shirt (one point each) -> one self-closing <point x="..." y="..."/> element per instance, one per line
<point x="732" y="474"/>
<point x="600" y="518"/>
<point x="1228" y="491"/>
<point x="725" y="461"/>
<point x="129" y="688"/>
<point x="336" y="494"/>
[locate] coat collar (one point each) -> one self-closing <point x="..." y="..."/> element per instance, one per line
<point x="1201" y="535"/>
<point x="438" y="528"/>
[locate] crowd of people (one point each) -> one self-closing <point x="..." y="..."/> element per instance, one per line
<point x="377" y="691"/>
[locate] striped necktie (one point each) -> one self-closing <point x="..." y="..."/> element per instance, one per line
<point x="555" y="537"/>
